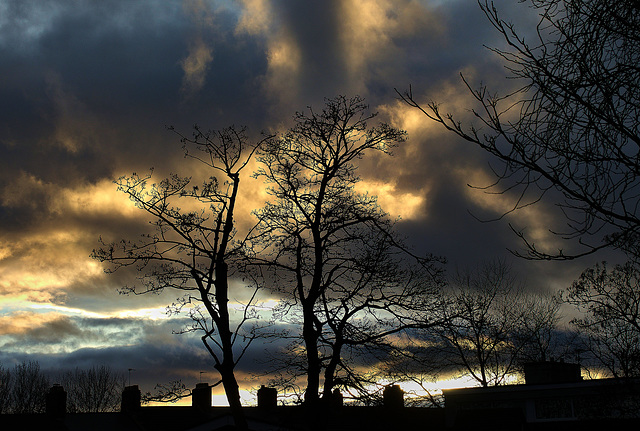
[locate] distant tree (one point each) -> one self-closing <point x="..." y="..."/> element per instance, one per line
<point x="28" y="389"/>
<point x="193" y="250"/>
<point x="332" y="252"/>
<point x="609" y="300"/>
<point x="490" y="325"/>
<point x="5" y="388"/>
<point x="98" y="389"/>
<point x="487" y="326"/>
<point x="572" y="129"/>
<point x="538" y="331"/>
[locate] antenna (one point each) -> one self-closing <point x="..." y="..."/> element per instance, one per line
<point x="201" y="373"/>
<point x="130" y="369"/>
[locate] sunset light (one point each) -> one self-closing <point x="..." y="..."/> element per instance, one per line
<point x="339" y="203"/>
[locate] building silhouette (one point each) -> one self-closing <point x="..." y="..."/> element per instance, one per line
<point x="553" y="397"/>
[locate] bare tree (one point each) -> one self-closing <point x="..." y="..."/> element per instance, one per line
<point x="194" y="251"/>
<point x="610" y="303"/>
<point x="573" y="127"/>
<point x="331" y="250"/>
<point x="538" y="331"/>
<point x="384" y="295"/>
<point x="5" y="388"/>
<point x="28" y="389"/>
<point x="97" y="389"/>
<point x="490" y="325"/>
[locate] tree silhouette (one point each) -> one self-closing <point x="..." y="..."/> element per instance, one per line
<point x="97" y="389"/>
<point x="572" y="128"/>
<point x="490" y="325"/>
<point x="331" y="251"/>
<point x="610" y="302"/>
<point x="538" y="331"/>
<point x="193" y="251"/>
<point x="5" y="389"/>
<point x="28" y="388"/>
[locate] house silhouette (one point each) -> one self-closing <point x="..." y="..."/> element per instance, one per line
<point x="553" y="397"/>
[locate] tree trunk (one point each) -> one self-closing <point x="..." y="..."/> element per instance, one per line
<point x="226" y="368"/>
<point x="330" y="370"/>
<point x="232" y="393"/>
<point x="313" y="361"/>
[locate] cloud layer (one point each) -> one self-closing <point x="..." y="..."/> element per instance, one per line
<point x="88" y="88"/>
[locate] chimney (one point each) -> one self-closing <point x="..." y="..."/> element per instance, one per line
<point x="130" y="399"/>
<point x="267" y="397"/>
<point x="393" y="397"/>
<point x="336" y="399"/>
<point x="201" y="397"/>
<point x="56" y="402"/>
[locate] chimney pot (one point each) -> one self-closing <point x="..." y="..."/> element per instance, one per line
<point x="393" y="396"/>
<point x="267" y="397"/>
<point x="201" y="396"/>
<point x="130" y="399"/>
<point x="336" y="398"/>
<point x="56" y="401"/>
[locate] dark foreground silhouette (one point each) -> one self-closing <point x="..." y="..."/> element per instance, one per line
<point x="554" y="397"/>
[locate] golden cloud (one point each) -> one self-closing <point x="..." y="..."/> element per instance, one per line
<point x="369" y="27"/>
<point x="5" y="251"/>
<point x="284" y="62"/>
<point x="406" y="205"/>
<point x="538" y="219"/>
<point x="256" y="17"/>
<point x="283" y="51"/>
<point x="78" y="200"/>
<point x="453" y="92"/>
<point x="42" y="265"/>
<point x="22" y="322"/>
<point x="195" y="66"/>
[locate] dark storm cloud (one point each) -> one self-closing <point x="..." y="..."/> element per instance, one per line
<point x="318" y="50"/>
<point x="314" y="26"/>
<point x="92" y="84"/>
<point x="87" y="88"/>
<point x="89" y="79"/>
<point x="150" y="348"/>
<point x="40" y="332"/>
<point x="455" y="222"/>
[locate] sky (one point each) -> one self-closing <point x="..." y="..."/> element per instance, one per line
<point x="88" y="87"/>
